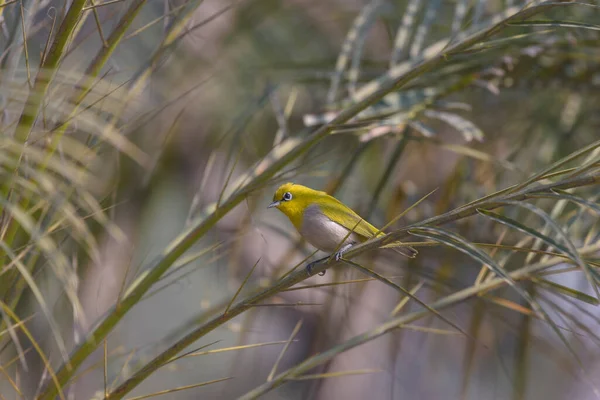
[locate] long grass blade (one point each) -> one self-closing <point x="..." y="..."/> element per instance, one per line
<point x="280" y="356"/>
<point x="423" y="29"/>
<point x="359" y="27"/>
<point x="590" y="274"/>
<point x="404" y="30"/>
<point x="576" y="294"/>
<point x="180" y="388"/>
<point x="562" y="195"/>
<point x="339" y="374"/>
<point x="50" y="62"/>
<point x="523" y="228"/>
<point x="561" y="24"/>
<point x="455" y="241"/>
<point x="24" y="272"/>
<point x="241" y="286"/>
<point x="558" y="164"/>
<point x="36" y="346"/>
<point x="407" y="293"/>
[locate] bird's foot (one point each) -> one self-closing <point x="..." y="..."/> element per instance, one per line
<point x="311" y="265"/>
<point x="338" y="255"/>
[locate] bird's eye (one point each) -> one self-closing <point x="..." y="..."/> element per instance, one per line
<point x="287" y="196"/>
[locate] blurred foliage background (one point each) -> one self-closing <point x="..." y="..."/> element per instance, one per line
<point x="141" y="142"/>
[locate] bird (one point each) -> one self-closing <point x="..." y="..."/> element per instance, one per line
<point x="325" y="222"/>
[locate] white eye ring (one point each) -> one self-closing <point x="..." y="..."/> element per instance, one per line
<point x="287" y="196"/>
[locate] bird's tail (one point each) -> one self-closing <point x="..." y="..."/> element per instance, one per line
<point x="401" y="248"/>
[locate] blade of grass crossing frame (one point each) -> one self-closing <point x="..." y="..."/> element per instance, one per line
<point x="197" y="196"/>
<point x="522" y="373"/>
<point x="523" y="228"/>
<point x="14" y="338"/>
<point x="189" y="353"/>
<point x="399" y="288"/>
<point x="354" y="71"/>
<point x="14" y="385"/>
<point x="419" y="39"/>
<point x="562" y="195"/>
<point x="241" y="286"/>
<point x="34" y="343"/>
<point x="56" y="258"/>
<point x="457" y="242"/>
<point x="105" y="368"/>
<point x="197" y="353"/>
<point x="335" y="184"/>
<point x="122" y="370"/>
<point x="562" y="24"/>
<point x="403" y="213"/>
<point x="393" y="161"/>
<point x="590" y="274"/>
<point x="405" y="299"/>
<point x="576" y="294"/>
<point x="180" y="388"/>
<point x="24" y="32"/>
<point x="404" y="30"/>
<point x="484" y="270"/>
<point x="40" y="299"/>
<point x="459" y="15"/>
<point x="558" y="164"/>
<point x="478" y="10"/>
<point x="470" y="349"/>
<point x="511" y="305"/>
<point x="582" y="329"/>
<point x="280" y="356"/>
<point x="50" y="63"/>
<point x="362" y="20"/>
<point x="334" y="374"/>
<point x="321" y="285"/>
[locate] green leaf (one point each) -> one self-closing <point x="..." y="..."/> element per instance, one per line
<point x="548" y="240"/>
<point x="572" y="250"/>
<point x="46" y="310"/>
<point x="562" y="195"/>
<point x="562" y="24"/>
<point x="56" y="258"/>
<point x="523" y="228"/>
<point x="457" y="242"/>
<point x="558" y="164"/>
<point x="576" y="294"/>
<point x="406" y="292"/>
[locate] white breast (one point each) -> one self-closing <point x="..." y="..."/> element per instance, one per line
<point x="322" y="232"/>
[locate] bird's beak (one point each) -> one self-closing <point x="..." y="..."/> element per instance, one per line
<point x="274" y="204"/>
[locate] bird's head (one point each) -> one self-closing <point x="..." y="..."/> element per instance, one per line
<point x="292" y="199"/>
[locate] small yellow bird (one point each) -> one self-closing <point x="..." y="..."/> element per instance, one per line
<point x="324" y="221"/>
